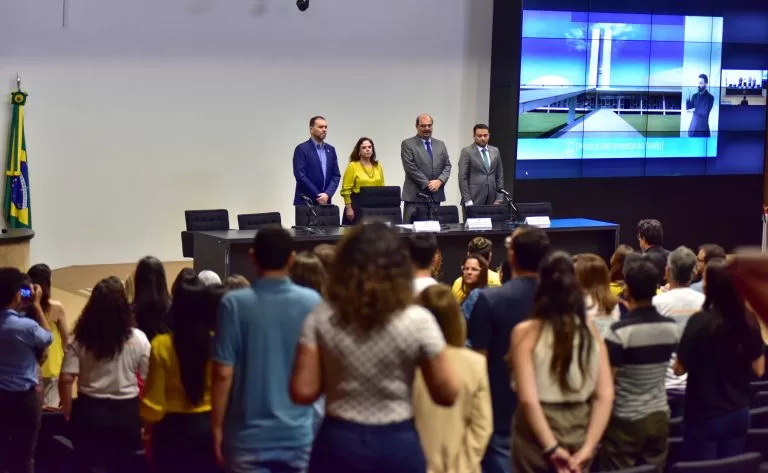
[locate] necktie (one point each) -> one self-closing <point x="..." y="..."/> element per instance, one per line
<point x="486" y="160"/>
<point x="429" y="149"/>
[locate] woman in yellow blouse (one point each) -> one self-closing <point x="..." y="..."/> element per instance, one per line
<point x="363" y="170"/>
<point x="176" y="405"/>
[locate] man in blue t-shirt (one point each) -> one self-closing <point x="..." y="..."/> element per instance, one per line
<point x="255" y="423"/>
<point x="496" y="313"/>
<point x="21" y="340"/>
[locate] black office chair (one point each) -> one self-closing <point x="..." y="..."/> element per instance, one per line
<point x="445" y="214"/>
<point x="327" y="215"/>
<point x="745" y="463"/>
<point x="260" y="220"/>
<point x="201" y="221"/>
<point x="497" y="213"/>
<point x="534" y="209"/>
<point x="382" y="214"/>
<point x="381" y="196"/>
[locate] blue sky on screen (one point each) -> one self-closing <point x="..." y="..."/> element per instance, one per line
<point x="647" y="50"/>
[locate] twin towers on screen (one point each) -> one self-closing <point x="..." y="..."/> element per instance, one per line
<point x="619" y="85"/>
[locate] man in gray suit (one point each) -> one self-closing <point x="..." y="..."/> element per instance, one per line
<point x="480" y="171"/>
<point x="427" y="167"/>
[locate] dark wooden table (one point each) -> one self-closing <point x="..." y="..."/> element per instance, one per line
<point x="226" y="251"/>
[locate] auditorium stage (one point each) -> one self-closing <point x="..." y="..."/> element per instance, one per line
<point x="226" y="251"/>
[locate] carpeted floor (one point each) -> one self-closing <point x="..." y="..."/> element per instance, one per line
<point x="72" y="285"/>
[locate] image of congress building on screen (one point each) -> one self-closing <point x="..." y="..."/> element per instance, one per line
<point x="617" y="85"/>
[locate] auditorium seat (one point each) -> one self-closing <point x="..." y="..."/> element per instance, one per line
<point x="745" y="463"/>
<point x="201" y="221"/>
<point x="327" y="215"/>
<point x="757" y="441"/>
<point x="674" y="451"/>
<point x="258" y="220"/>
<point x="497" y="213"/>
<point x="758" y="418"/>
<point x="760" y="400"/>
<point x="676" y="427"/>
<point x="382" y="214"/>
<point x="445" y="214"/>
<point x="637" y="469"/>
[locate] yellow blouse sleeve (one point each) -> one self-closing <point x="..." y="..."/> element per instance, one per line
<point x="348" y="183"/>
<point x="153" y="403"/>
<point x="381" y="170"/>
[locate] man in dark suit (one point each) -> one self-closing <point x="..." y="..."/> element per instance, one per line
<point x="315" y="166"/>
<point x="700" y="104"/>
<point x="496" y="313"/>
<point x="427" y="167"/>
<point x="650" y="237"/>
<point x="480" y="171"/>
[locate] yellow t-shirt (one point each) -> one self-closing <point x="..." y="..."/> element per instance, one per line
<point x="52" y="366"/>
<point x="163" y="391"/>
<point x="493" y="280"/>
<point x="356" y="176"/>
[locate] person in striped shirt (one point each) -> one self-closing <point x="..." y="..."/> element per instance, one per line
<point x="639" y="347"/>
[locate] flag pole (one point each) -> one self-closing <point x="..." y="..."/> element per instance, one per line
<point x="18" y="82"/>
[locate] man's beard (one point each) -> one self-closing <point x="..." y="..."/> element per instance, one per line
<point x="702" y="89"/>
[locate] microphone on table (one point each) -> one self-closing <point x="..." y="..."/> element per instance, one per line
<point x="424" y="196"/>
<point x="306" y="199"/>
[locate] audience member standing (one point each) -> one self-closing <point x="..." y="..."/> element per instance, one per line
<point x="21" y="340"/>
<point x="706" y="253"/>
<point x="454" y="439"/>
<point x="722" y="351"/>
<point x="256" y="426"/>
<point x="423" y="251"/>
<point x="601" y="306"/>
<point x="316" y="166"/>
<point x="562" y="376"/>
<point x="496" y="313"/>
<point x="483" y="247"/>
<point x="151" y="299"/>
<point x="474" y="277"/>
<point x="363" y="170"/>
<point x="40" y="274"/>
<point x="650" y="236"/>
<point x="308" y="271"/>
<point x="104" y="358"/>
<point x="362" y="349"/>
<point x="640" y="346"/>
<point x="427" y="167"/>
<point x="680" y="302"/>
<point x="176" y="405"/>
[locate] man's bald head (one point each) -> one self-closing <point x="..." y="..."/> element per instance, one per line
<point x="424" y="126"/>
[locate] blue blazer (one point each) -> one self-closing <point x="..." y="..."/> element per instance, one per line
<point x="309" y="173"/>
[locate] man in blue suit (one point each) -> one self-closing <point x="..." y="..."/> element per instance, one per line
<point x="315" y="166"/>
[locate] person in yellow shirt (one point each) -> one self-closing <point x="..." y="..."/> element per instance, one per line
<point x="176" y="406"/>
<point x="40" y="274"/>
<point x="363" y="170"/>
<point x="483" y="247"/>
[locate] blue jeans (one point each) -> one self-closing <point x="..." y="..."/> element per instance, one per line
<point x="497" y="457"/>
<point x="348" y="447"/>
<point x="717" y="438"/>
<point x="270" y="460"/>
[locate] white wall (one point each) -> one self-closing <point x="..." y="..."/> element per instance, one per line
<point x="141" y="109"/>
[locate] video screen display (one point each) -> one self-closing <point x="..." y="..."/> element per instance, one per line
<point x="743" y="88"/>
<point x="632" y="94"/>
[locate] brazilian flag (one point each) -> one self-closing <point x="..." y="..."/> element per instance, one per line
<point x="17" y="206"/>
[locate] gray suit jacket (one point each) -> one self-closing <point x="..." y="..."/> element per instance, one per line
<point x="420" y="168"/>
<point x="476" y="184"/>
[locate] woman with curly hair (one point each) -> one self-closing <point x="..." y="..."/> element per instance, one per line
<point x="104" y="358"/>
<point x="362" y="348"/>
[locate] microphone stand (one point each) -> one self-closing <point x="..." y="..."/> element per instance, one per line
<point x="312" y="223"/>
<point x="512" y="214"/>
